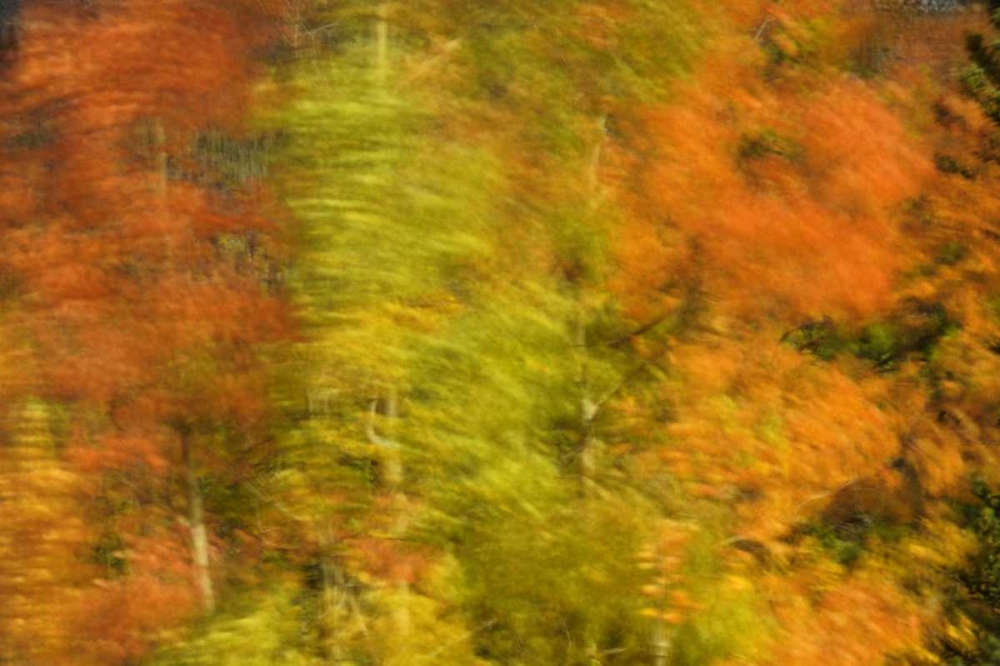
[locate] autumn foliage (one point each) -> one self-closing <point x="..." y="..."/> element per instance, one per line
<point x="499" y="333"/>
<point x="114" y="266"/>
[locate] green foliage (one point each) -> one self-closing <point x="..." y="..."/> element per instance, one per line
<point x="411" y="278"/>
<point x="232" y="162"/>
<point x="979" y="595"/>
<point x="553" y="579"/>
<point x="520" y="51"/>
<point x="983" y="579"/>
<point x="880" y="344"/>
<point x="427" y="271"/>
<point x="981" y="77"/>
<point x="821" y="338"/>
<point x="845" y="544"/>
<point x="987" y="652"/>
<point x="493" y="427"/>
<point x="848" y="541"/>
<point x="914" y="329"/>
<point x="951" y="253"/>
<point x="732" y="623"/>
<point x="270" y="632"/>
<point x="109" y="554"/>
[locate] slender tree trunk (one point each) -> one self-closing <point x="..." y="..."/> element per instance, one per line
<point x="593" y="170"/>
<point x="394" y="481"/>
<point x="588" y="408"/>
<point x="589" y="404"/>
<point x="296" y="17"/>
<point x="196" y="523"/>
<point x="660" y="642"/>
<point x="393" y="463"/>
<point x="333" y="594"/>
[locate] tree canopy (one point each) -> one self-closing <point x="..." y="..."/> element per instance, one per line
<point x="469" y="333"/>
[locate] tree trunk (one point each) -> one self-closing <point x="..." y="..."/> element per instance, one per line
<point x="588" y="407"/>
<point x="394" y="481"/>
<point x="393" y="478"/>
<point x="594" y="168"/>
<point x="333" y="594"/>
<point x="199" y="535"/>
<point x="589" y="404"/>
<point x="393" y="463"/>
<point x="660" y="643"/>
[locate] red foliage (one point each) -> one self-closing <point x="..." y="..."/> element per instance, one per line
<point x="139" y="321"/>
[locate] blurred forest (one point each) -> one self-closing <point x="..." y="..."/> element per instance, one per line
<point x="499" y="332"/>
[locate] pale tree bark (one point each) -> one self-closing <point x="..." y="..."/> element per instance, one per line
<point x="196" y="524"/>
<point x="196" y="511"/>
<point x="332" y="591"/>
<point x="587" y="407"/>
<point x="384" y="440"/>
<point x="589" y="404"/>
<point x="342" y="616"/>
<point x="394" y="484"/>
<point x="660" y="643"/>
<point x="296" y="19"/>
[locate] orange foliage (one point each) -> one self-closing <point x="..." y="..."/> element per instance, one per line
<point x="124" y="616"/>
<point x="790" y="192"/>
<point x="775" y="189"/>
<point x="771" y="431"/>
<point x="140" y="322"/>
<point x="857" y="621"/>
